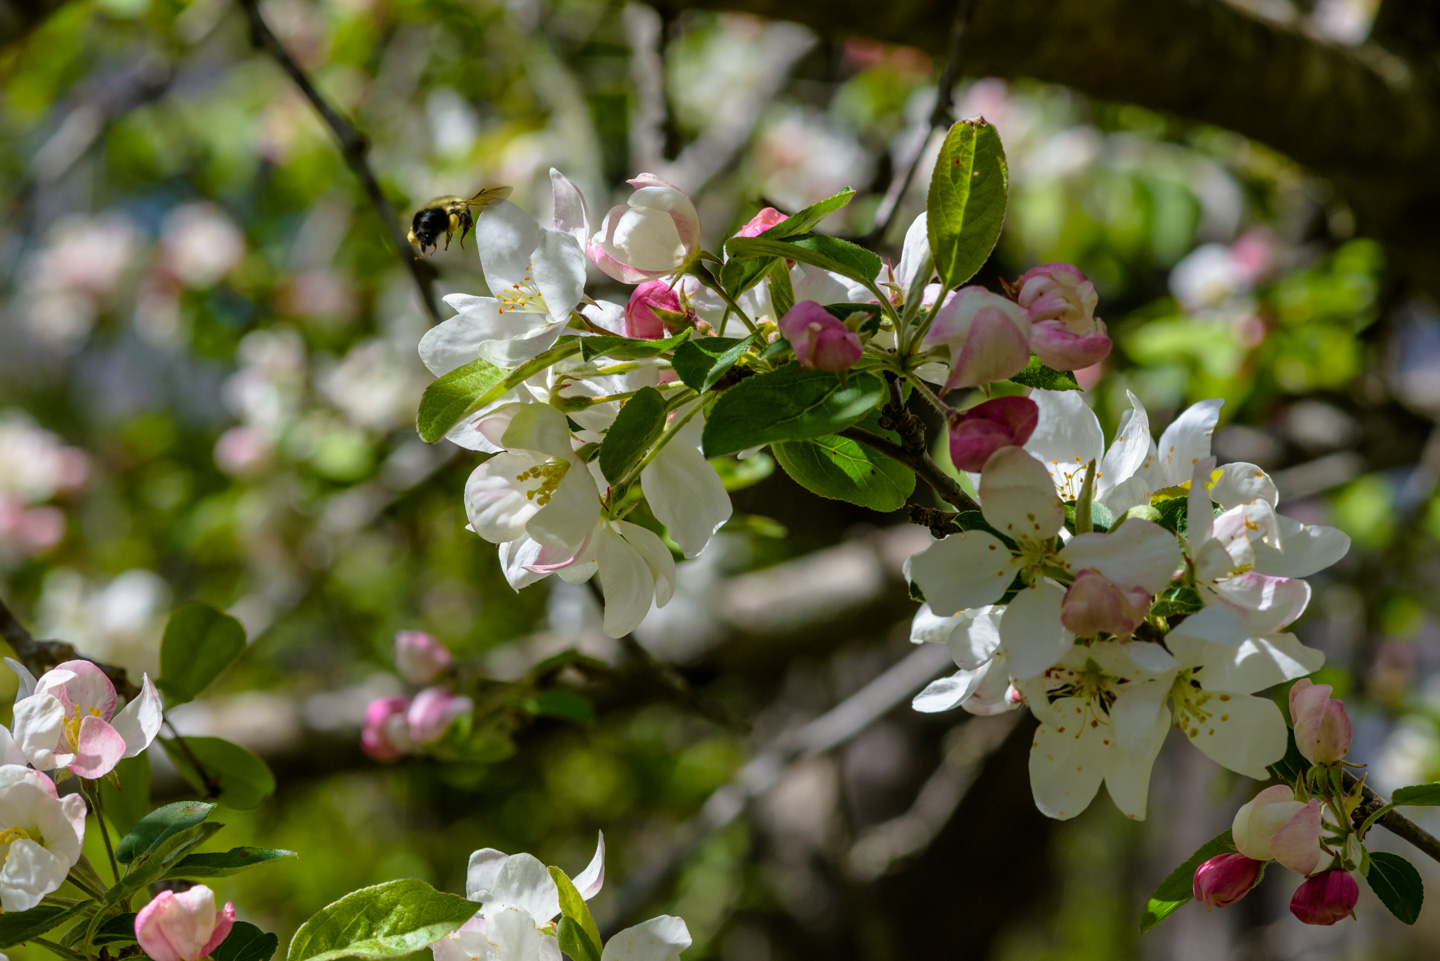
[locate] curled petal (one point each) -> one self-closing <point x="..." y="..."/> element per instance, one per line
<point x="139" y="721"/>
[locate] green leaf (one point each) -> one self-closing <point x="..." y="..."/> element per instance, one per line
<point x="817" y="250"/>
<point x="118" y="930"/>
<point x="701" y="362"/>
<point x="128" y="803"/>
<point x="245" y="942"/>
<point x="244" y="779"/>
<point x="448" y="399"/>
<point x="573" y="906"/>
<point x="966" y="205"/>
<point x="1177" y="600"/>
<point x="575" y="942"/>
<point x="787" y="404"/>
<point x="158" y="825"/>
<point x="1397" y="884"/>
<point x="385" y="921"/>
<point x="1174" y="514"/>
<point x="199" y="643"/>
<point x="219" y="864"/>
<point x="1417" y="795"/>
<point x="846" y="470"/>
<point x="782" y="292"/>
<point x="636" y="428"/>
<point x="628" y="348"/>
<point x="736" y="475"/>
<point x="562" y="703"/>
<point x="156" y="863"/>
<point x="1045" y="378"/>
<point x="17" y="927"/>
<point x="738" y="276"/>
<point x="1179" y="887"/>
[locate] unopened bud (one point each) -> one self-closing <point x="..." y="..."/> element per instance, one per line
<point x="821" y="341"/>
<point x="419" y="657"/>
<point x="985" y="428"/>
<point x="1225" y="879"/>
<point x="1322" y="728"/>
<point x="1326" y="898"/>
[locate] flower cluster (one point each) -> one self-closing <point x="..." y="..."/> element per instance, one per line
<point x="1308" y="828"/>
<point x="1117" y="591"/>
<point x="519" y="907"/>
<point x="396" y="726"/>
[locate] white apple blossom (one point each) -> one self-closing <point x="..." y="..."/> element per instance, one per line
<point x="519" y="900"/>
<point x="1100" y="720"/>
<point x="536" y="277"/>
<point x="40" y="836"/>
<point x="659" y="939"/>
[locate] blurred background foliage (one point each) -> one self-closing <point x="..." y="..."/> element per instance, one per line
<point x="207" y="388"/>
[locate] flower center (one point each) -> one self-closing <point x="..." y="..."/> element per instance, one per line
<point x="523" y="297"/>
<point x="1192" y="710"/>
<point x="10" y="835"/>
<point x="549" y="474"/>
<point x="1092" y="686"/>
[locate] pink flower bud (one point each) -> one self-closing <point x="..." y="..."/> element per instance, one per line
<point x="762" y="222"/>
<point x="419" y="657"/>
<point x="385" y="735"/>
<point x="1322" y="728"/>
<point x="1275" y="826"/>
<point x="987" y="335"/>
<point x="985" y="428"/>
<point x="432" y="711"/>
<point x="640" y="318"/>
<point x="1094" y="604"/>
<point x="184" y="926"/>
<point x="821" y="341"/>
<point x="1060" y="303"/>
<point x="1326" y="898"/>
<point x="1225" y="879"/>
<point x="652" y="235"/>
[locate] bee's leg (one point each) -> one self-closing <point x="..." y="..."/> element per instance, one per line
<point x="454" y="226"/>
<point x="464" y="229"/>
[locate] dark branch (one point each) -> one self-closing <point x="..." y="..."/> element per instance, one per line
<point x="40" y="656"/>
<point x="353" y="147"/>
<point x="926" y="469"/>
<point x="1398" y="824"/>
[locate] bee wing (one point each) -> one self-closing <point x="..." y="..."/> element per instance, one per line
<point x="488" y="196"/>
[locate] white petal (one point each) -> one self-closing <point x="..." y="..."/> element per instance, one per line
<point x="1187" y="440"/>
<point x="558" y="270"/>
<point x="657" y="557"/>
<point x="456" y="342"/>
<point x="1199" y="514"/>
<point x="539" y="335"/>
<point x="1303" y="550"/>
<point x="512" y="935"/>
<point x="1031" y="632"/>
<point x="1136" y="554"/>
<point x="572" y="513"/>
<point x="495" y="500"/>
<point x="1242" y="483"/>
<point x="1256" y="664"/>
<point x="139" y="721"/>
<point x="1127" y="773"/>
<point x="10" y="753"/>
<point x="27" y="680"/>
<point x="30" y="873"/>
<point x="1152" y="657"/>
<point x="1127" y="494"/>
<point x="659" y="939"/>
<point x="626" y="581"/>
<point x="946" y="693"/>
<point x="1067" y="437"/>
<point x="993" y="694"/>
<point x="523" y="882"/>
<point x="644" y="238"/>
<point x="1065" y="770"/>
<point x="539" y="427"/>
<point x="38" y="726"/>
<point x="570" y="214"/>
<point x="1265" y="604"/>
<point x="505" y="236"/>
<point x="684" y="492"/>
<point x="976" y="638"/>
<point x="1017" y="496"/>
<point x="915" y="253"/>
<point x="970" y="569"/>
<point x="1242" y="733"/>
<point x="1127" y="452"/>
<point x="589" y="881"/>
<point x="483" y="869"/>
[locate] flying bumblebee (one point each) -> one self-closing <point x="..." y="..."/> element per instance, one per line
<point x="449" y="214"/>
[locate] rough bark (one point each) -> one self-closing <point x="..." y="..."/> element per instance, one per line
<point x="1363" y="117"/>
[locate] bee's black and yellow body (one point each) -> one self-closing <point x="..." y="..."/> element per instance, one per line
<point x="448" y="215"/>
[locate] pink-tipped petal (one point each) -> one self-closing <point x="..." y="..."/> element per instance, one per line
<point x="1326" y="898"/>
<point x="223" y="923"/>
<point x="98" y="749"/>
<point x="1059" y="347"/>
<point x="985" y="428"/>
<point x="82" y="685"/>
<point x="994" y="348"/>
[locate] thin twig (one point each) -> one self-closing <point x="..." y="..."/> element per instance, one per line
<point x="94" y="793"/>
<point x="353" y="147"/>
<point x="943" y="115"/>
<point x="211" y="782"/>
<point x="924" y="467"/>
<point x="41" y="656"/>
<point x="1398" y="824"/>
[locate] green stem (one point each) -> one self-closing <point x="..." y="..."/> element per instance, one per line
<point x="708" y="280"/>
<point x="84" y="876"/>
<point x="93" y="790"/>
<point x="1084" y="521"/>
<point x="675" y="427"/>
<point x="929" y="395"/>
<point x="1374" y="816"/>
